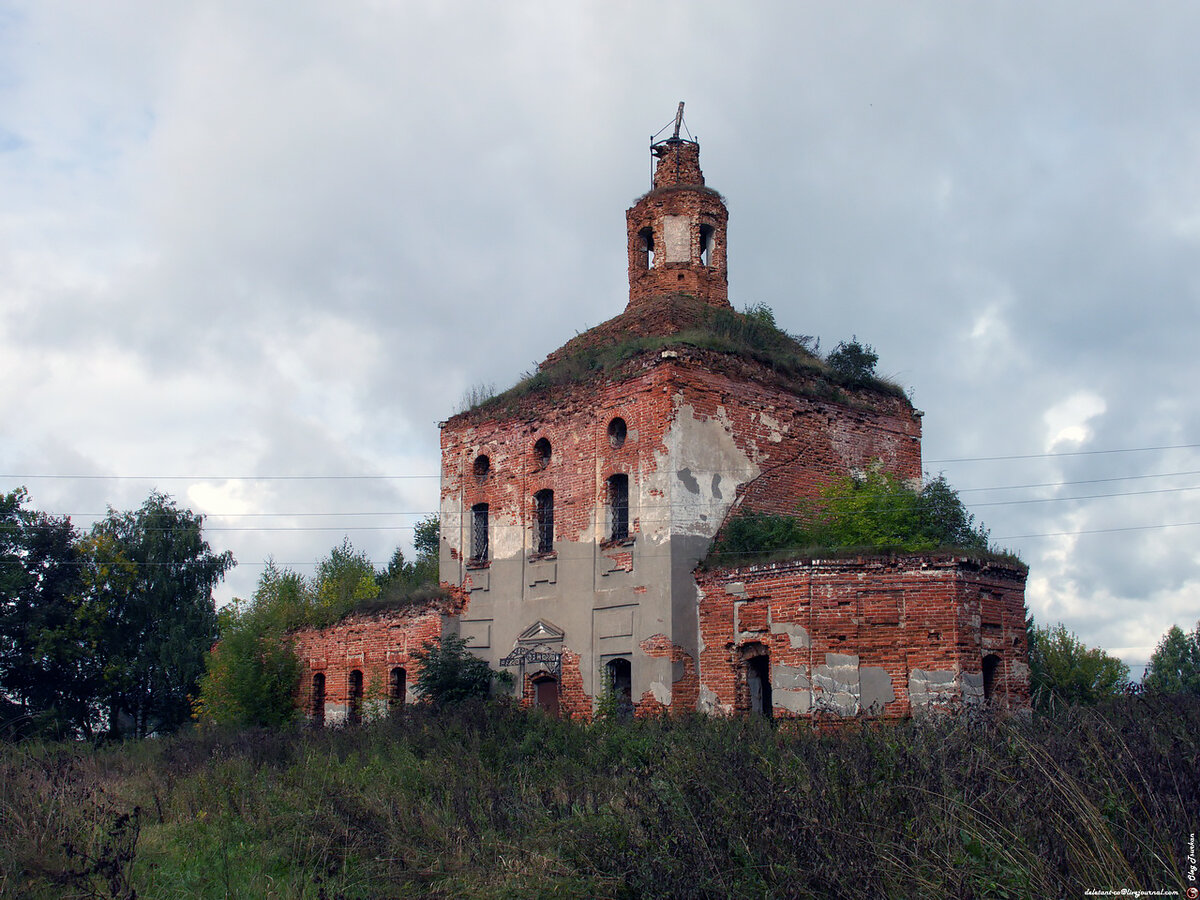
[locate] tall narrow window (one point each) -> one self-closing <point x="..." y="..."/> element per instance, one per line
<point x="543" y="521"/>
<point x="618" y="507"/>
<point x="318" y="699"/>
<point x="706" y="245"/>
<point x="354" y="713"/>
<point x="647" y="236"/>
<point x="397" y="688"/>
<point x="479" y="533"/>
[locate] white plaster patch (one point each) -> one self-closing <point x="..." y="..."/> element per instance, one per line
<point x="661" y="692"/>
<point x="708" y="700"/>
<point x="797" y="634"/>
<point x="836" y="684"/>
<point x="737" y="589"/>
<point x="773" y="425"/>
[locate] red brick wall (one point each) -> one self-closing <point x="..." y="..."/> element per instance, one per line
<point x="899" y="614"/>
<point x="372" y="644"/>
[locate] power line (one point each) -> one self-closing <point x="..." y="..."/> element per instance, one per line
<point x="1064" y="453"/>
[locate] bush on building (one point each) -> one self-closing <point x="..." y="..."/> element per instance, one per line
<point x="876" y="512"/>
<point x="852" y="362"/>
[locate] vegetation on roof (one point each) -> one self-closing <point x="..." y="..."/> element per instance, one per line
<point x="749" y="335"/>
<point x="873" y="513"/>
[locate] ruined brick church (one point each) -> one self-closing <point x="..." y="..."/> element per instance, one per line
<point x="577" y="510"/>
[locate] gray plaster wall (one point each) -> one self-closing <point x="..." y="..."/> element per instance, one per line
<point x="679" y="500"/>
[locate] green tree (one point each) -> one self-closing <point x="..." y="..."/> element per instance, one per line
<point x="853" y="362"/>
<point x="402" y="579"/>
<point x="48" y="667"/>
<point x="1175" y="666"/>
<point x="151" y="575"/>
<point x="1064" y="670"/>
<point x="344" y="579"/>
<point x="252" y="672"/>
<point x="450" y="674"/>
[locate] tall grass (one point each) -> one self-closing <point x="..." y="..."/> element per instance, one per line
<point x="497" y="802"/>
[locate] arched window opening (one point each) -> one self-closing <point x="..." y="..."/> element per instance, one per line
<point x="354" y="712"/>
<point x="991" y="665"/>
<point x="647" y="236"/>
<point x="545" y="694"/>
<point x="479" y="533"/>
<point x="620" y="686"/>
<point x="543" y="521"/>
<point x="541" y="453"/>
<point x="318" y="700"/>
<point x="397" y="688"/>
<point x="481" y="466"/>
<point x="618" y="507"/>
<point x="758" y="685"/>
<point x="617" y="430"/>
<point x="706" y="244"/>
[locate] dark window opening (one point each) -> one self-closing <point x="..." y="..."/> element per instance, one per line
<point x="545" y="694"/>
<point x="479" y="532"/>
<point x="543" y="521"/>
<point x="617" y="431"/>
<point x="620" y="686"/>
<point x="618" y="507"/>
<point x="318" y="699"/>
<point x="398" y="688"/>
<point x="541" y="453"/>
<point x="758" y="682"/>
<point x="482" y="466"/>
<point x="354" y="713"/>
<point x="991" y="663"/>
<point x="706" y="244"/>
<point x="647" y="236"/>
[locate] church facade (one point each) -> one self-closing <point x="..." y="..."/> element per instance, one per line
<point x="577" y="511"/>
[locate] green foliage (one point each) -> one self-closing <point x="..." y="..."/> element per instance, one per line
<point x="852" y="362"/>
<point x="486" y="800"/>
<point x="874" y="512"/>
<point x="113" y="625"/>
<point x="48" y="663"/>
<point x="450" y="674"/>
<point x="752" y="335"/>
<point x="1063" y="670"/>
<point x="252" y="673"/>
<point x="407" y="583"/>
<point x="344" y="579"/>
<point x="1175" y="665"/>
<point x="154" y="574"/>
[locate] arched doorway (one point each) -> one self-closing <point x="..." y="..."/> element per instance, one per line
<point x="755" y="688"/>
<point x="397" y="688"/>
<point x="991" y="666"/>
<point x="545" y="693"/>
<point x="620" y="686"/>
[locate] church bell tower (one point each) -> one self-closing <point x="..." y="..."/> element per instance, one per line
<point x="676" y="231"/>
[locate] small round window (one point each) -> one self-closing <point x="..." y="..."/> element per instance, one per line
<point x="482" y="466"/>
<point x="617" y="432"/>
<point x="541" y="453"/>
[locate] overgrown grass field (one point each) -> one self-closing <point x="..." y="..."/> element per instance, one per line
<point x="487" y="801"/>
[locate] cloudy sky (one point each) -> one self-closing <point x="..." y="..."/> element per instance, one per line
<point x="251" y="253"/>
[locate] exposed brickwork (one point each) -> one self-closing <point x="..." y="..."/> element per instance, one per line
<point x="685" y="684"/>
<point x="372" y="644"/>
<point x="702" y="434"/>
<point x="907" y="617"/>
